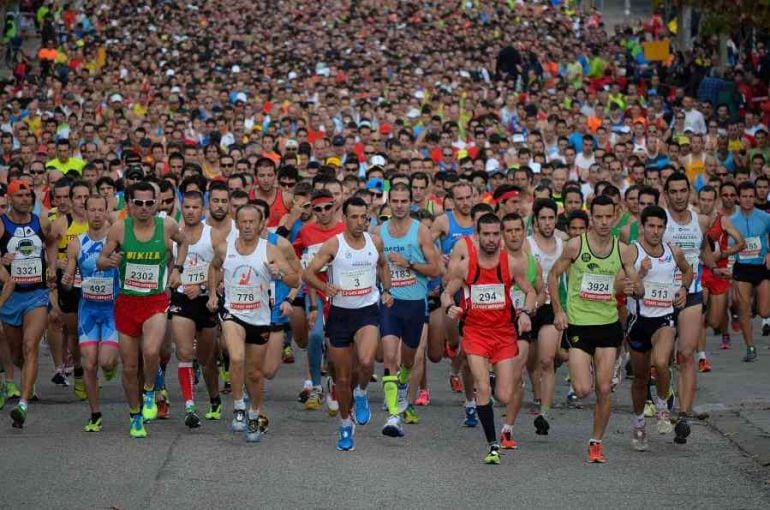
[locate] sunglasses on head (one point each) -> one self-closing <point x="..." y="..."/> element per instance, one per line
<point x="144" y="203"/>
<point x="322" y="208"/>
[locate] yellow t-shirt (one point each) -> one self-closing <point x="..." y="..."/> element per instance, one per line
<point x="76" y="164"/>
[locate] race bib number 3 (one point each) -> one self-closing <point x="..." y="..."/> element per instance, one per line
<point x="244" y="297"/>
<point x="488" y="297"/>
<point x="402" y="277"/>
<point x="752" y="249"/>
<point x="141" y="277"/>
<point x="97" y="289"/>
<point x="356" y="283"/>
<point x="597" y="287"/>
<point x="658" y="294"/>
<point x="27" y="270"/>
<point x="195" y="275"/>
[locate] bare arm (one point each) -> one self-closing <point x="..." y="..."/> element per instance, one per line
<point x="110" y="257"/>
<point x="277" y="259"/>
<point x="8" y="285"/>
<point x="740" y="242"/>
<point x="561" y="266"/>
<point x="324" y="256"/>
<point x="72" y="261"/>
<point x="215" y="271"/>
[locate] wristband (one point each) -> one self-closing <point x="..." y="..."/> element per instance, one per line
<point x="313" y="308"/>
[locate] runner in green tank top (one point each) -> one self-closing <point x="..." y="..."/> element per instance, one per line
<point x="634" y="194"/>
<point x="514" y="234"/>
<point x="599" y="266"/>
<point x="140" y="246"/>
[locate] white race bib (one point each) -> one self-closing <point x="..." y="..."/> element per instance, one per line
<point x="401" y="277"/>
<point x="195" y="275"/>
<point x="488" y="297"/>
<point x="244" y="297"/>
<point x="356" y="283"/>
<point x="97" y="289"/>
<point x="27" y="271"/>
<point x="693" y="259"/>
<point x="597" y="287"/>
<point x="141" y="277"/>
<point x="518" y="297"/>
<point x="307" y="257"/>
<point x="752" y="249"/>
<point x="658" y="294"/>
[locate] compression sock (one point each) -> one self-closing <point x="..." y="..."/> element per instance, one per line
<point x="160" y="379"/>
<point x="186" y="377"/>
<point x="390" y="389"/>
<point x="403" y="374"/>
<point x="487" y="418"/>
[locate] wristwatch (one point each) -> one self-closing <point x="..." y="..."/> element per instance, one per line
<point x="179" y="267"/>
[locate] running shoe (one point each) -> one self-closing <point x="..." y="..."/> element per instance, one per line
<point x="735" y="323"/>
<point x="303" y="395"/>
<point x="197" y="372"/>
<point x="58" y="379"/>
<point x="164" y="404"/>
<point x="649" y="409"/>
<point x="455" y="383"/>
<point x="572" y="399"/>
<point x="215" y="412"/>
<point x="109" y="373"/>
<point x="149" y="407"/>
<point x="345" y="442"/>
<point x="616" y="372"/>
<point x="11" y="390"/>
<point x="332" y="405"/>
<point x="423" y="398"/>
<point x="403" y="397"/>
<point x="264" y="423"/>
<point x="191" y="418"/>
<point x="239" y="421"/>
<point x="671" y="400"/>
<point x="288" y="355"/>
<point x="3" y="395"/>
<point x="449" y="351"/>
<point x="663" y="424"/>
<point x="639" y="439"/>
<point x="253" y="433"/>
<point x="410" y="416"/>
<point x="471" y="419"/>
<point x="93" y="426"/>
<point x="595" y="454"/>
<point x="314" y="399"/>
<point x="507" y="442"/>
<point x="751" y="354"/>
<point x="362" y="411"/>
<point x="393" y="427"/>
<point x="681" y="430"/>
<point x="19" y="416"/>
<point x="704" y="365"/>
<point x="726" y="343"/>
<point x="137" y="429"/>
<point x="541" y="425"/>
<point x="493" y="457"/>
<point x="79" y="389"/>
<point x="765" y="329"/>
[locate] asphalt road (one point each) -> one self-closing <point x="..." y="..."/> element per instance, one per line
<point x="52" y="463"/>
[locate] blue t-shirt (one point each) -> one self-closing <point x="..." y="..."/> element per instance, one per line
<point x="754" y="227"/>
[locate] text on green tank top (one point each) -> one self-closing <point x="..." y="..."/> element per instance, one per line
<point x="517" y="295"/>
<point x="144" y="264"/>
<point x="591" y="286"/>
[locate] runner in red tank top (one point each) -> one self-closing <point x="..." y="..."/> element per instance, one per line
<point x="280" y="203"/>
<point x="489" y="333"/>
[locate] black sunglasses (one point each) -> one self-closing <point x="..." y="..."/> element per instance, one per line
<point x="144" y="203"/>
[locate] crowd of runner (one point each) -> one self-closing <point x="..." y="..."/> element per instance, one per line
<point x="387" y="185"/>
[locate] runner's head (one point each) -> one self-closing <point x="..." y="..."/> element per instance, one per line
<point x="219" y="200"/>
<point x="192" y="208"/>
<point x="762" y="187"/>
<point x="419" y="185"/>
<point x="462" y="197"/>
<point x="747" y="195"/>
<point x="355" y="211"/>
<point x="677" y="190"/>
<point x="96" y="211"/>
<point x="514" y="232"/>
<point x="167" y="197"/>
<point x="302" y="193"/>
<point x="249" y="221"/>
<point x="632" y="199"/>
<point x="602" y="215"/>
<point x="573" y="199"/>
<point x="648" y="196"/>
<point x="577" y="223"/>
<point x="488" y="233"/>
<point x="266" y="175"/>
<point x="508" y="199"/>
<point x="263" y="206"/>
<point x="322" y="202"/>
<point x="400" y="200"/>
<point x="653" y="222"/>
<point x="728" y="192"/>
<point x="544" y="213"/>
<point x="79" y="191"/>
<point x="143" y="199"/>
<point x="480" y="209"/>
<point x="61" y="196"/>
<point x="707" y="199"/>
<point x="21" y="197"/>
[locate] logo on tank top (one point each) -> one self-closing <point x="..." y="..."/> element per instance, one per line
<point x="26" y="247"/>
<point x="585" y="257"/>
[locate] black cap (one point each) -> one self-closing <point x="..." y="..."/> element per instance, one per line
<point x="135" y="174"/>
<point x="338" y="141"/>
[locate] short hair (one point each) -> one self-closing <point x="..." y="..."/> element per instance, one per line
<point x="263" y="205"/>
<point x="544" y="203"/>
<point x="97" y="197"/>
<point x="601" y="200"/>
<point x="481" y="207"/>
<point x="101" y="181"/>
<point x="577" y="214"/>
<point x="708" y="188"/>
<point x="489" y="218"/>
<point x="513" y="217"/>
<point x="303" y="188"/>
<point x="746" y="185"/>
<point x="139" y="186"/>
<point x="192" y="195"/>
<point x="611" y="190"/>
<point x="353" y="202"/>
<point x="676" y="176"/>
<point x="321" y="193"/>
<point x="649" y="190"/>
<point x="654" y="211"/>
<point x="238" y="194"/>
<point x="79" y="184"/>
<point x="400" y="186"/>
<point x="249" y="206"/>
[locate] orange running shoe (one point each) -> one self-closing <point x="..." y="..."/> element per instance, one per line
<point x="704" y="365"/>
<point x="507" y="442"/>
<point x="163" y="410"/>
<point x="455" y="383"/>
<point x="595" y="454"/>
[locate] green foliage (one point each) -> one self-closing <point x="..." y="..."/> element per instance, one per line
<point x="723" y="16"/>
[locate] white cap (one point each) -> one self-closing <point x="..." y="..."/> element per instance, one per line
<point x="240" y="96"/>
<point x="377" y="160"/>
<point x="413" y="113"/>
<point x="235" y="69"/>
<point x="492" y="165"/>
<point x="116" y="98"/>
<point x="169" y="72"/>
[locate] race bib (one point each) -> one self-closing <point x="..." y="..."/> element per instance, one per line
<point x="195" y="275"/>
<point x="97" y="289"/>
<point x="597" y="287"/>
<point x="27" y="270"/>
<point x="141" y="277"/>
<point x="658" y="294"/>
<point x="356" y="283"/>
<point x="402" y="277"/>
<point x="752" y="249"/>
<point x="518" y="298"/>
<point x="78" y="279"/>
<point x="693" y="259"/>
<point x="307" y="257"/>
<point x="244" y="297"/>
<point x="488" y="297"/>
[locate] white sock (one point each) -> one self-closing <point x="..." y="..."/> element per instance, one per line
<point x="239" y="404"/>
<point x="253" y="414"/>
<point x="507" y="427"/>
<point x="701" y="355"/>
<point x="660" y="403"/>
<point x="470" y="403"/>
<point x="639" y="421"/>
<point x="347" y="421"/>
<point x="358" y="392"/>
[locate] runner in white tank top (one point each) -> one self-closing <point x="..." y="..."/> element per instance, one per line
<point x="354" y="273"/>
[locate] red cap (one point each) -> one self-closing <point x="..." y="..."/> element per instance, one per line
<point x="17" y="186"/>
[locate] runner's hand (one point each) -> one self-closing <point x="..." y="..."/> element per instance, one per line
<point x="67" y="280"/>
<point x="8" y="258"/>
<point x="723" y="272"/>
<point x="192" y="291"/>
<point x="114" y="259"/>
<point x="560" y="320"/>
<point x="285" y="308"/>
<point x="311" y="318"/>
<point x="645" y="267"/>
<point x="397" y="259"/>
<point x="525" y="323"/>
<point x="680" y="299"/>
<point x="174" y="279"/>
<point x="212" y="303"/>
<point x="331" y="290"/>
<point x="387" y="299"/>
<point x="454" y="312"/>
<point x="275" y="271"/>
<point x="50" y="278"/>
<point x="61" y="263"/>
<point x="628" y="286"/>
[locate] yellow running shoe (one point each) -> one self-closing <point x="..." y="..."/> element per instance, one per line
<point x="79" y="389"/>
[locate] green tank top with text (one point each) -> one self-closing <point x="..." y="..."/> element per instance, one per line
<point x="144" y="264"/>
<point x="591" y="286"/>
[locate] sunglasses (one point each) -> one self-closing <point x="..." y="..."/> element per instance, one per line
<point x="144" y="203"/>
<point x="322" y="208"/>
<point x="223" y="165"/>
<point x="287" y="184"/>
<point x="37" y="172"/>
<point x="384" y="217"/>
<point x="168" y="201"/>
<point x="377" y="195"/>
<point x="720" y="174"/>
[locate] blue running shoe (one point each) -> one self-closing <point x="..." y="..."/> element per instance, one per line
<point x="363" y="412"/>
<point x="471" y="419"/>
<point x="345" y="442"/>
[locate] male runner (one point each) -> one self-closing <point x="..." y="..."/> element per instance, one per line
<point x="97" y="336"/>
<point x="594" y="261"/>
<point x="247" y="264"/>
<point x="355" y="261"/>
<point x="489" y="333"/>
<point x="29" y="254"/>
<point x="139" y="246"/>
<point x="651" y="319"/>
<point x="412" y="259"/>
